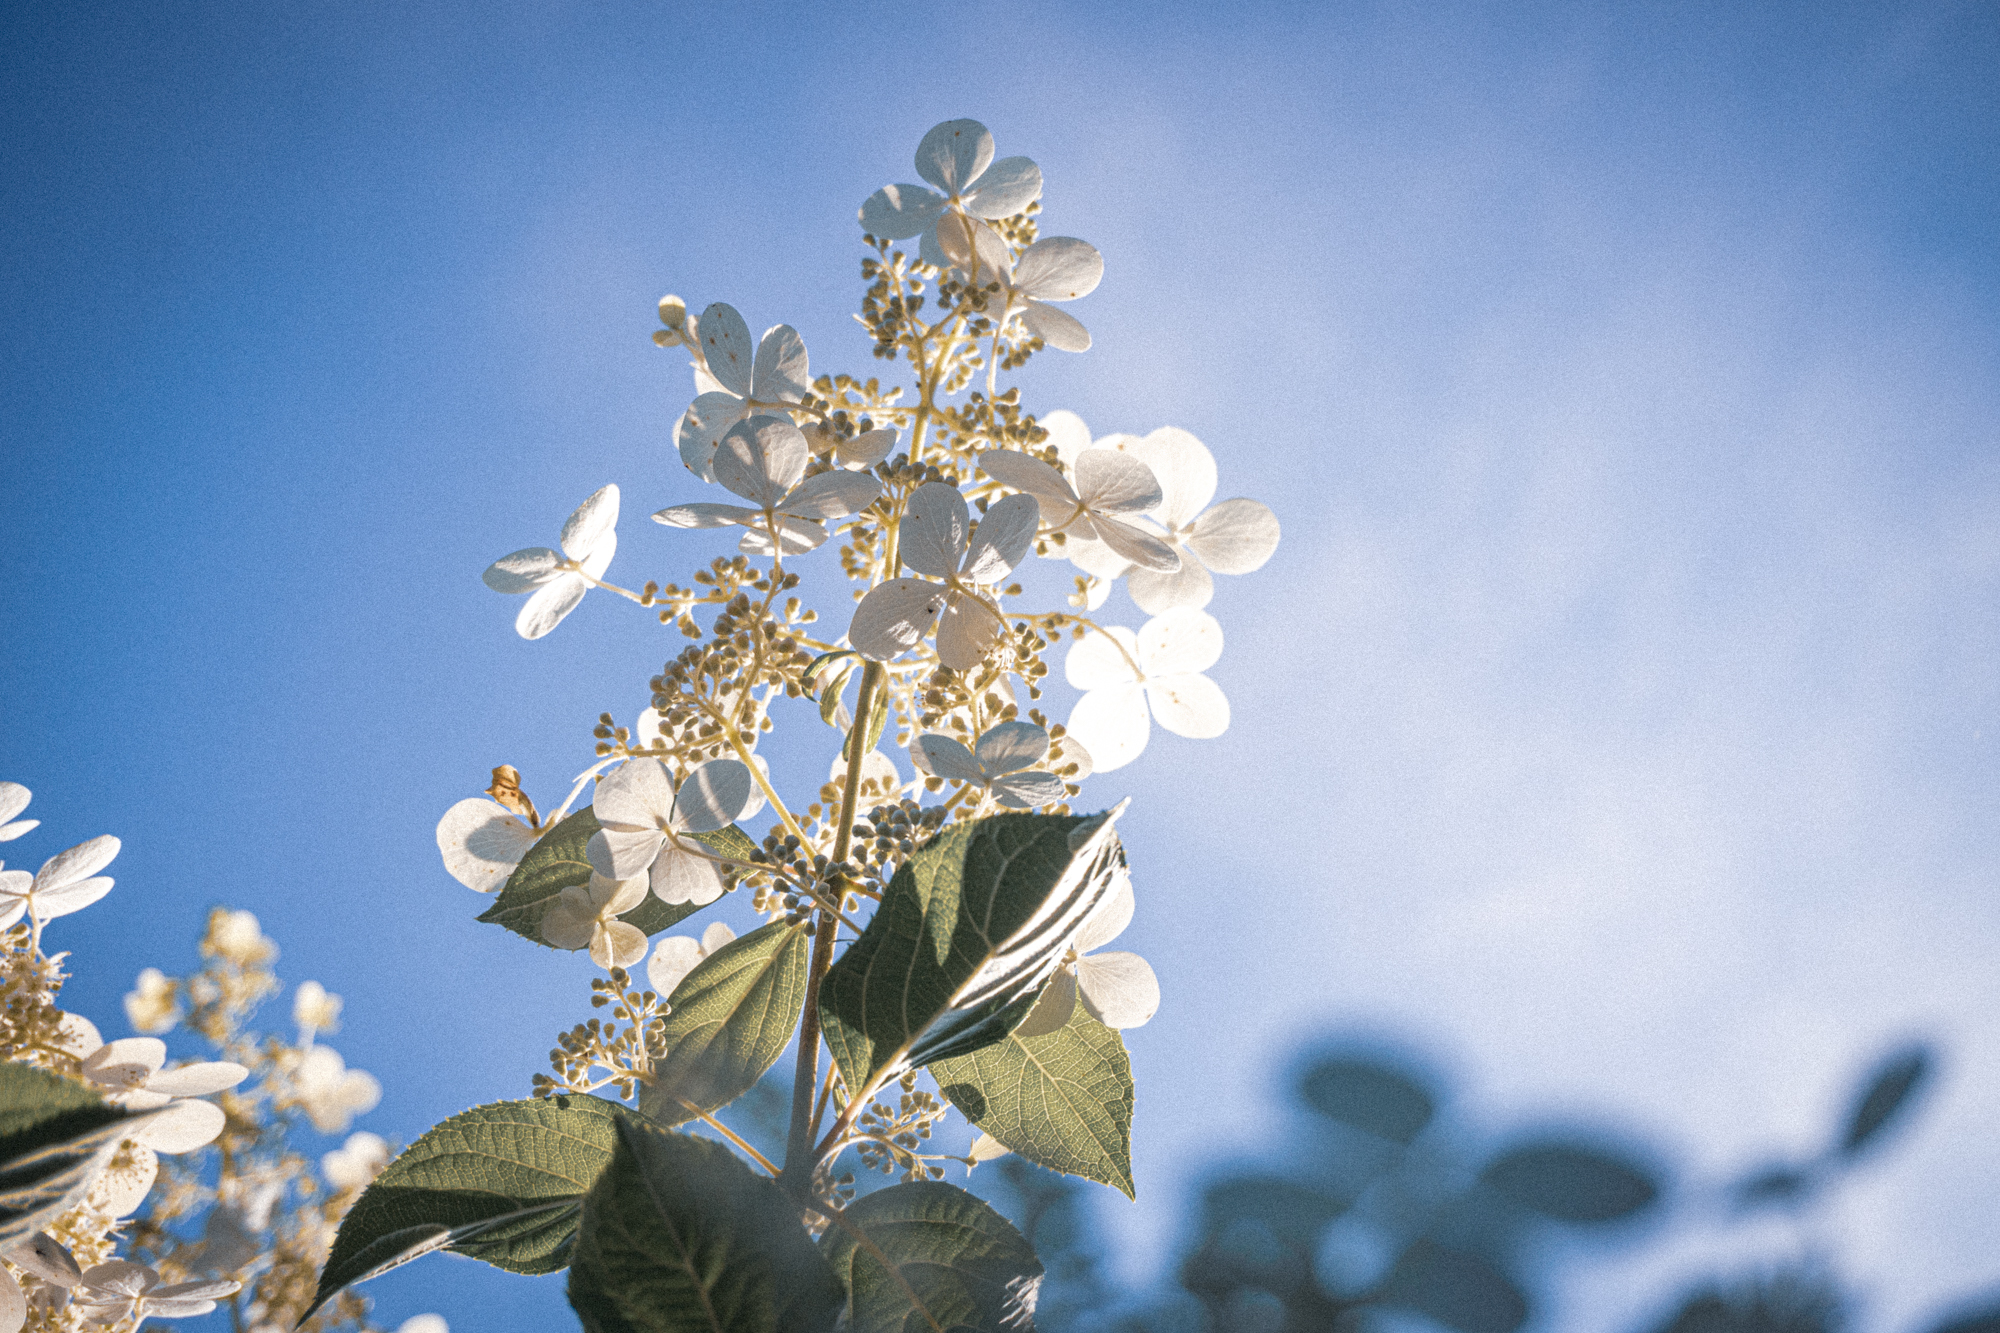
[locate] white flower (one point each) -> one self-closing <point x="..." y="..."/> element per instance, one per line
<point x="879" y="778"/>
<point x="764" y="461"/>
<point x="985" y="1148"/>
<point x="957" y="158"/>
<point x="895" y="615"/>
<point x="424" y="1323"/>
<point x="330" y="1093"/>
<point x="1108" y="484"/>
<point x="315" y="1009"/>
<point x="481" y="842"/>
<point x="1234" y="537"/>
<point x="119" y="1290"/>
<point x="14" y="799"/>
<point x="996" y="763"/>
<point x="677" y="955"/>
<point x="775" y="380"/>
<point x="129" y="1073"/>
<point x="558" y="579"/>
<point x="155" y="1005"/>
<point x="126" y="1181"/>
<point x="859" y="451"/>
<point x="640" y="813"/>
<point x="47" y="1258"/>
<point x="676" y="328"/>
<point x="1119" y="990"/>
<point x="1169" y="653"/>
<point x="356" y="1162"/>
<point x="1055" y="268"/>
<point x="585" y="916"/>
<point x="237" y="937"/>
<point x="67" y="882"/>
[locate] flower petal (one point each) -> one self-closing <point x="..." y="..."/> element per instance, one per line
<point x="1108" y="922"/>
<point x="551" y="602"/>
<point x="673" y="958"/>
<point x="1134" y="543"/>
<point x="945" y="757"/>
<point x="898" y="212"/>
<point x="1112" y="721"/>
<point x="707" y="419"/>
<point x="796" y="536"/>
<point x="1235" y="537"/>
<point x="1057" y="328"/>
<point x="707" y="516"/>
<point x="1005" y="188"/>
<point x="125" y="1064"/>
<point x="934" y="530"/>
<point x="1011" y="745"/>
<point x="780" y="374"/>
<point x="1058" y="1002"/>
<point x="590" y="524"/>
<point x="975" y="248"/>
<point x="9" y="832"/>
<point x="832" y="495"/>
<point x="639" y="794"/>
<point x="719" y="933"/>
<point x="894" y="617"/>
<point x="1067" y="433"/>
<point x="1110" y="481"/>
<point x="624" y="895"/>
<point x="1175" y="642"/>
<point x="623" y="853"/>
<point x="714" y="796"/>
<point x="1119" y="990"/>
<point x="118" y="1191"/>
<point x="48" y="904"/>
<point x="761" y="459"/>
<point x="1059" y="268"/>
<point x="523" y="570"/>
<point x="181" y="1127"/>
<point x="1190" y="705"/>
<point x="77" y="863"/>
<point x="1027" y="791"/>
<point x="1158" y="592"/>
<point x="1096" y="559"/>
<point x="953" y="155"/>
<point x="1019" y="471"/>
<point x="966" y="631"/>
<point x="866" y="449"/>
<point x="683" y="877"/>
<point x="198" y="1080"/>
<point x="1095" y="660"/>
<point x="1186" y="472"/>
<point x="617" y="944"/>
<point x="1006" y="531"/>
<point x="726" y="347"/>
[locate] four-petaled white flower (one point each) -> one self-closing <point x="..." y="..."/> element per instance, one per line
<point x="764" y="461"/>
<point x="14" y="799"/>
<point x="772" y="381"/>
<point x="119" y="1290"/>
<point x="999" y="761"/>
<point x="559" y="579"/>
<point x="641" y="815"/>
<point x="895" y="615"/>
<point x="331" y="1093"/>
<point x="1119" y="990"/>
<point x="482" y="841"/>
<point x="67" y="882"/>
<point x="585" y="916"/>
<point x="154" y="1005"/>
<point x="957" y="158"/>
<point x="356" y="1162"/>
<point x="1055" y="268"/>
<point x="1121" y="673"/>
<point x="1234" y="537"/>
<point x="129" y="1072"/>
<point x="1089" y="514"/>
<point x="677" y="955"/>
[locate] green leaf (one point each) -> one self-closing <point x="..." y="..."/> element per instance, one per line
<point x="1884" y="1097"/>
<point x="55" y="1136"/>
<point x="679" y="1236"/>
<point x="1062" y="1100"/>
<point x="1370" y="1097"/>
<point x="1570" y="1183"/>
<point x="558" y="862"/>
<point x="878" y="718"/>
<point x="928" y="1257"/>
<point x="968" y="931"/>
<point x="733" y="1016"/>
<point x="502" y="1182"/>
<point x="829" y="674"/>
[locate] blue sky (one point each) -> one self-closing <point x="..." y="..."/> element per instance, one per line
<point x="1617" y="719"/>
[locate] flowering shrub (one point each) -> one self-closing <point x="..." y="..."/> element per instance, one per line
<point x="954" y="941"/>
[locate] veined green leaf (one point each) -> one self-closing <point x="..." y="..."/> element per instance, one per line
<point x="928" y="1257"/>
<point x="502" y="1182"/>
<point x="679" y="1236"/>
<point x="55" y="1136"/>
<point x="558" y="862"/>
<point x="970" y="928"/>
<point x="732" y="1018"/>
<point x="1062" y="1100"/>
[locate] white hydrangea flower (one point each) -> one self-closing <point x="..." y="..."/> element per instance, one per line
<point x="895" y="615"/>
<point x="315" y="1009"/>
<point x="1109" y="484"/>
<point x="67" y="882"/>
<point x="985" y="1148"/>
<point x="47" y="1258"/>
<point x="859" y="451"/>
<point x="129" y="1071"/>
<point x="775" y="379"/>
<point x="677" y="955"/>
<point x="119" y="1291"/>
<point x="239" y="937"/>
<point x="154" y="1005"/>
<point x="1119" y="990"/>
<point x="585" y="916"/>
<point x="482" y="841"/>
<point x="640" y="812"/>
<point x="1055" y="268"/>
<point x="1170" y="653"/>
<point x="559" y="579"/>
<point x="356" y="1162"/>
<point x="1234" y="537"/>
<point x="424" y="1323"/>
<point x="764" y="461"/>
<point x="1001" y="761"/>
<point x="14" y="799"/>
<point x="957" y="158"/>
<point x="330" y="1093"/>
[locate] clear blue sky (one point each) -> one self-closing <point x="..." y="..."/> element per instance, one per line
<point x="1617" y="719"/>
